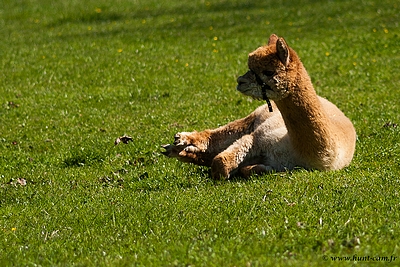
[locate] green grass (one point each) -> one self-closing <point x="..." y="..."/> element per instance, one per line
<point x="75" y="75"/>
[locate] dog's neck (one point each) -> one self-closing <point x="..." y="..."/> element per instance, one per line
<point x="307" y="124"/>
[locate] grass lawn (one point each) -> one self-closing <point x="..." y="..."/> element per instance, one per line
<point x="75" y="75"/>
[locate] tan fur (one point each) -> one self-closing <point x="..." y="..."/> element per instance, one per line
<point x="303" y="130"/>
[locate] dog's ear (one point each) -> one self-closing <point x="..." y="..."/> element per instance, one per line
<point x="272" y="39"/>
<point x="283" y="51"/>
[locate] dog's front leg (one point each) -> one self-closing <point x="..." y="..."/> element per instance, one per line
<point x="227" y="162"/>
<point x="201" y="147"/>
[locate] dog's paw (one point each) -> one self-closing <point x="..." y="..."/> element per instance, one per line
<point x="188" y="154"/>
<point x="193" y="141"/>
<point x="170" y="150"/>
<point x="190" y="147"/>
<point x="182" y="139"/>
<point x="220" y="168"/>
<point x="185" y="146"/>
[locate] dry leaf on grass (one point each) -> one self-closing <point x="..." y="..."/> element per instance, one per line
<point x="124" y="139"/>
<point x="18" y="181"/>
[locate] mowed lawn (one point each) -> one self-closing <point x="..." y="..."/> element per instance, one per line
<point x="76" y="75"/>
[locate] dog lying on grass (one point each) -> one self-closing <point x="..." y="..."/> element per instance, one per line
<point x="297" y="128"/>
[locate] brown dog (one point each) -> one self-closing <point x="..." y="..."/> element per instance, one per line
<point x="303" y="130"/>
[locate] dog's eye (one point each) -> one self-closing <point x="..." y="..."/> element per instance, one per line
<point x="268" y="72"/>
